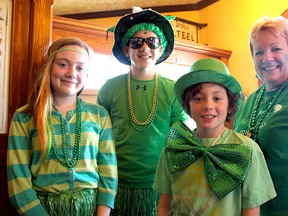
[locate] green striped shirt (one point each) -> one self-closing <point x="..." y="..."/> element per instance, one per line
<point x="96" y="168"/>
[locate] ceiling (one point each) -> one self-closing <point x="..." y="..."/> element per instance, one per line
<point x="91" y="9"/>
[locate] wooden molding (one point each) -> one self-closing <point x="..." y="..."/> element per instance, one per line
<point x="161" y="9"/>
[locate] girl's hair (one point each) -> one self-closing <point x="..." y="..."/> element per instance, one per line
<point x="40" y="99"/>
<point x="195" y="89"/>
<point x="278" y="25"/>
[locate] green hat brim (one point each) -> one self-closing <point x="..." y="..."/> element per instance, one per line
<point x="145" y="16"/>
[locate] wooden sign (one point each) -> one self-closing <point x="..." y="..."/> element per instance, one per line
<point x="185" y="30"/>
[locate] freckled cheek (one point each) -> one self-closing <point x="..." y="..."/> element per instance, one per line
<point x="257" y="60"/>
<point x="54" y="78"/>
<point x="57" y="72"/>
<point x="224" y="109"/>
<point x="194" y="110"/>
<point x="257" y="65"/>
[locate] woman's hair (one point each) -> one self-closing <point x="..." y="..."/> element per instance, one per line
<point x="278" y="25"/>
<point x="41" y="99"/>
<point x="195" y="89"/>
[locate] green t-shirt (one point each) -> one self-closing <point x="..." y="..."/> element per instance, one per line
<point x="138" y="151"/>
<point x="192" y="195"/>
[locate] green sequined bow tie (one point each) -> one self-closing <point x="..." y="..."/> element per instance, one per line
<point x="226" y="165"/>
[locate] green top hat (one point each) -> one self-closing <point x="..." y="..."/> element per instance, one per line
<point x="207" y="70"/>
<point x="144" y="16"/>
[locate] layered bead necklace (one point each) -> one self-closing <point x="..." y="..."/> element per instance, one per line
<point x="66" y="162"/>
<point x="152" y="113"/>
<point x="256" y="121"/>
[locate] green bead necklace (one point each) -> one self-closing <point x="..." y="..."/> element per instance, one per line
<point x="256" y="121"/>
<point x="69" y="163"/>
<point x="131" y="113"/>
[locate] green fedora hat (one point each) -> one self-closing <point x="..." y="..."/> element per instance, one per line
<point x="143" y="16"/>
<point x="207" y="70"/>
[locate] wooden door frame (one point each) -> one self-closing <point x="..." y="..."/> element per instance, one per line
<point x="31" y="33"/>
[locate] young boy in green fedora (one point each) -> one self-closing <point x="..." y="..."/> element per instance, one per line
<point x="142" y="106"/>
<point x="211" y="170"/>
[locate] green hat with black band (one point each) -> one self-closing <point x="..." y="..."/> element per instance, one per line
<point x="162" y="28"/>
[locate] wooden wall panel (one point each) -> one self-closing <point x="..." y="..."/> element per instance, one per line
<point x="18" y="80"/>
<point x="40" y="32"/>
<point x="31" y="33"/>
<point x="96" y="37"/>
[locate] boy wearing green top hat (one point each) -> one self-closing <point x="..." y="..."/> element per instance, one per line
<point x="211" y="170"/>
<point x="142" y="107"/>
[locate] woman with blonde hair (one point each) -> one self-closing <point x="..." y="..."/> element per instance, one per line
<point x="264" y="115"/>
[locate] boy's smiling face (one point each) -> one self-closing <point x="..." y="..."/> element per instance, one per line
<point x="209" y="109"/>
